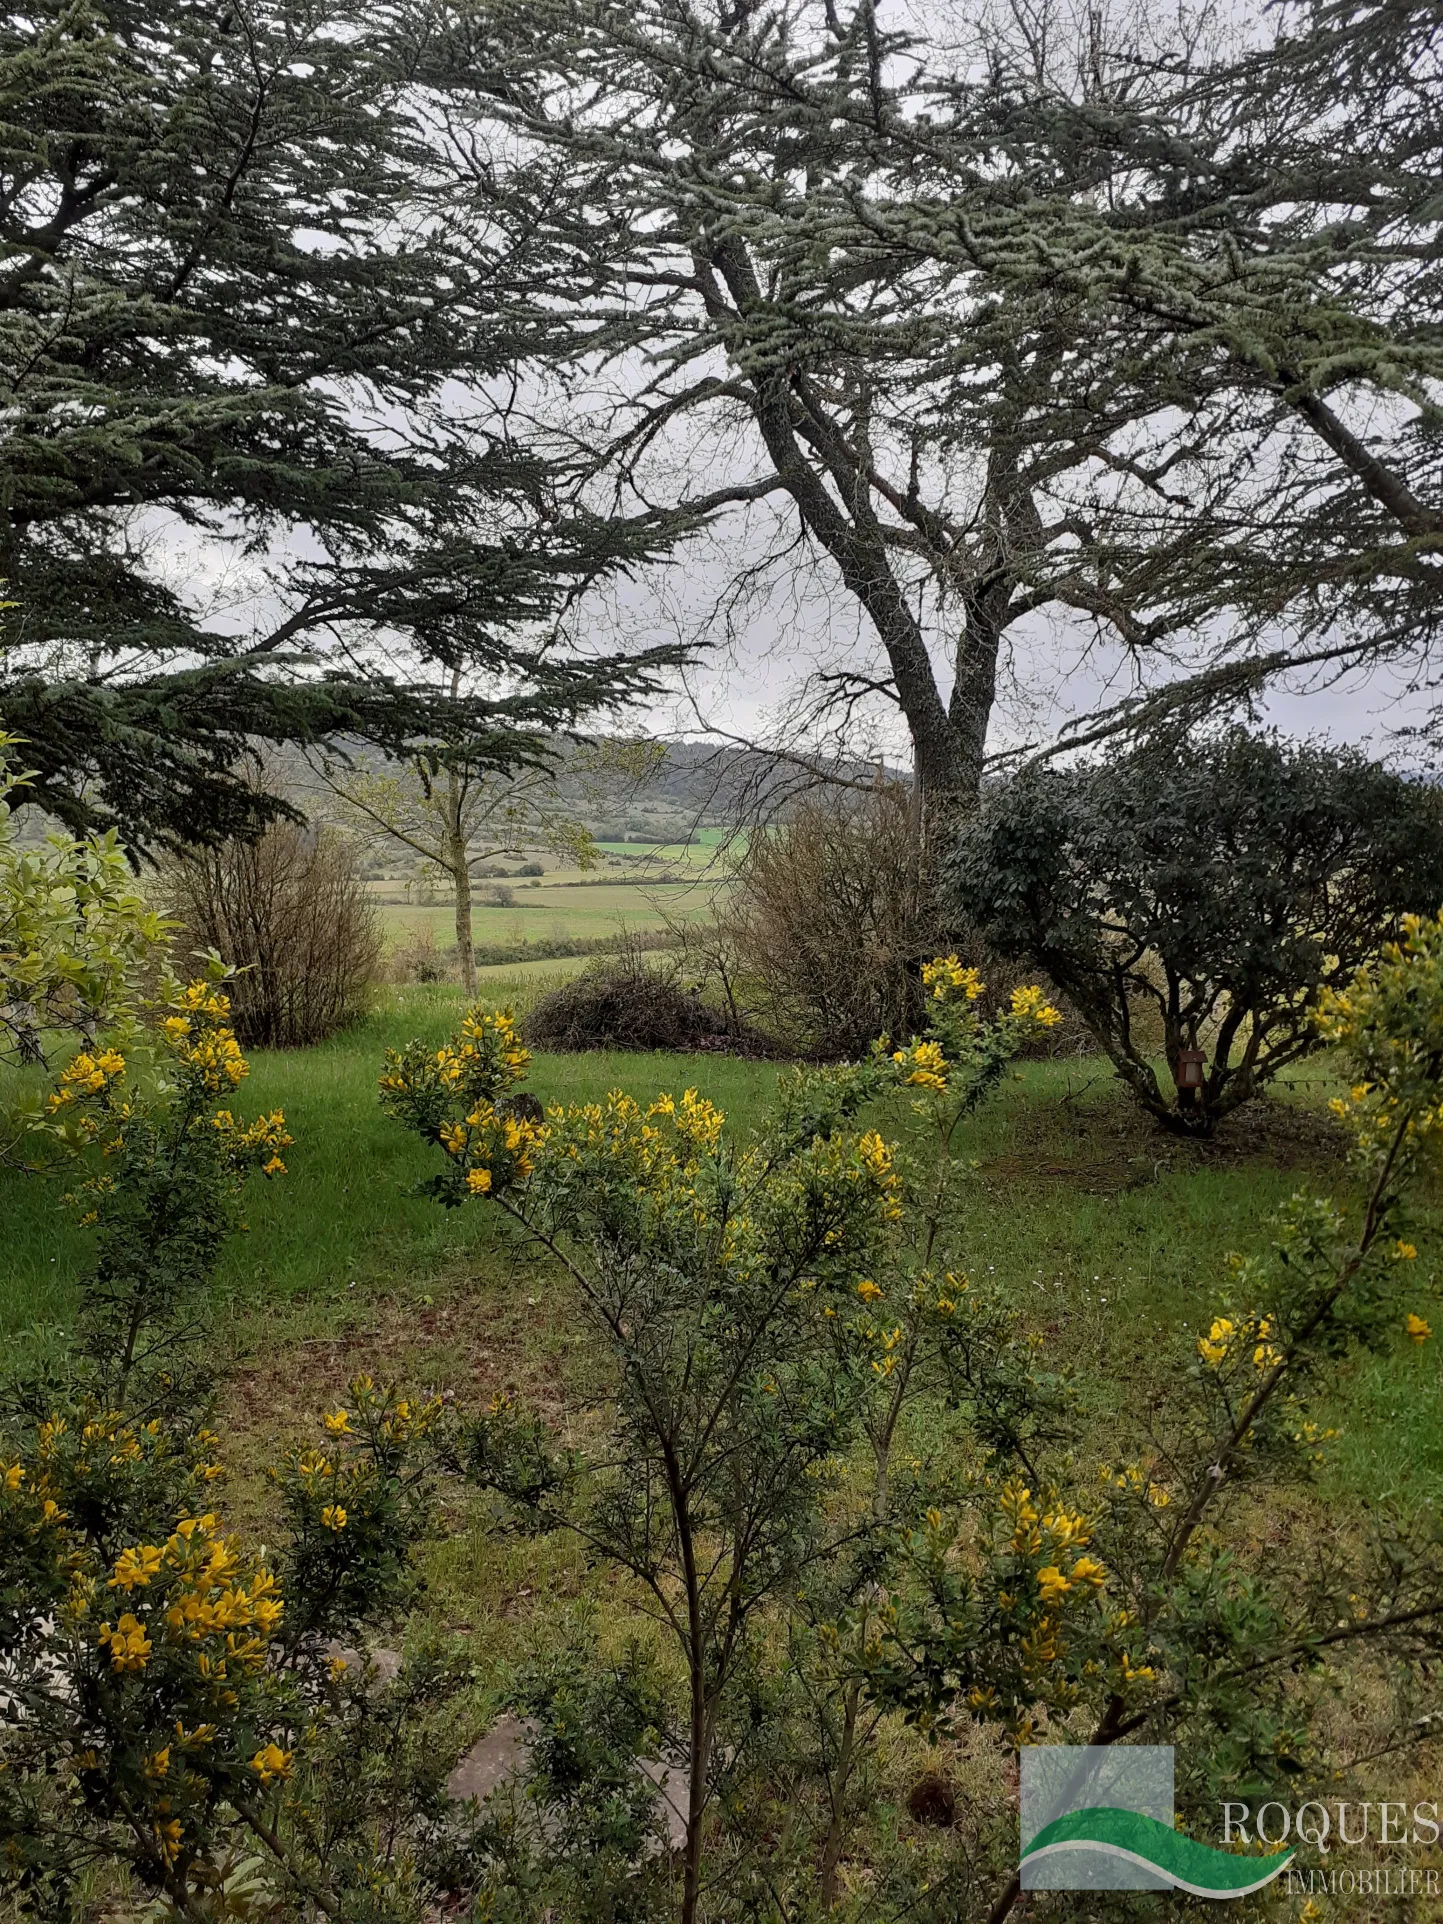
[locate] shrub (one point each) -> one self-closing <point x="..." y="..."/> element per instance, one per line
<point x="831" y="917"/>
<point x="76" y="935"/>
<point x="531" y="868"/>
<point x="175" y="1691"/>
<point x="171" y="1707"/>
<point x="624" y="1004"/>
<point x="792" y="1323"/>
<point x="418" y="959"/>
<point x="290" y="911"/>
<point x="157" y="1159"/>
<point x="1218" y="886"/>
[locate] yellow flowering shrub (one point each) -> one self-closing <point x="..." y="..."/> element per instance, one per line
<point x="171" y="1677"/>
<point x="158" y="1158"/>
<point x="963" y="1054"/>
<point x="355" y="1504"/>
<point x="1146" y="1614"/>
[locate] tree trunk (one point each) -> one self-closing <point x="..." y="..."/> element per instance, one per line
<point x="832" y="1848"/>
<point x="858" y="546"/>
<point x="458" y="861"/>
<point x="464" y="946"/>
<point x="974" y="691"/>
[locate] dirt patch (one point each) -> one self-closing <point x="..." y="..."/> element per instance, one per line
<point x="1099" y="1142"/>
<point x="469" y="1347"/>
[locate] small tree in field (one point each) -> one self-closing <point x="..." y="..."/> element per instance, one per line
<point x="1220" y="885"/>
<point x="458" y="806"/>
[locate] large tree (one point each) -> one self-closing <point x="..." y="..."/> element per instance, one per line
<point x="1007" y="334"/>
<point x="254" y="466"/>
<point x="1249" y="245"/>
<point x="707" y="177"/>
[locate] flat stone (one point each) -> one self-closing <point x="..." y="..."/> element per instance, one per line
<point x="385" y="1663"/>
<point x="674" y="1793"/>
<point x="504" y="1752"/>
<point x="493" y="1761"/>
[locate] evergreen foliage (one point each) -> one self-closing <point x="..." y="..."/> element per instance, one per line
<point x="234" y="323"/>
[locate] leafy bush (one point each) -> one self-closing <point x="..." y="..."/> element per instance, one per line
<point x="167" y="1684"/>
<point x="157" y="1159"/>
<point x="171" y="1710"/>
<point x="1219" y="885"/>
<point x="290" y="912"/>
<point x="77" y="937"/>
<point x="734" y="1287"/>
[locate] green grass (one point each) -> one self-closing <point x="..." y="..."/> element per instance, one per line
<point x="342" y="1222"/>
<point x="565" y="912"/>
<point x="1110" y="1239"/>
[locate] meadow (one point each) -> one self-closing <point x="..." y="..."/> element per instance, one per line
<point x="1110" y="1238"/>
<point x="638" y="889"/>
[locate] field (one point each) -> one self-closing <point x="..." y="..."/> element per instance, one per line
<point x="637" y="890"/>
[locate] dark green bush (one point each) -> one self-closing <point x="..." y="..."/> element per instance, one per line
<point x="1203" y="891"/>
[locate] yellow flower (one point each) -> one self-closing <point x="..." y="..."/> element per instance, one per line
<point x="271" y="1761"/>
<point x="338" y="1423"/>
<point x="1418" y="1329"/>
<point x="868" y="1291"/>
<point x="875" y="1153"/>
<point x="129" y="1645"/>
<point x="334" y="1517"/>
<point x="1031" y="1005"/>
<point x="926" y="1064"/>
<point x="1213" y="1347"/>
<point x="14" y="1476"/>
<point x="1051" y="1583"/>
<point x="946" y="973"/>
<point x="1405" y="1252"/>
<point x="275" y="1167"/>
<point x="158" y="1763"/>
<point x="478" y="1181"/>
<point x="136" y="1566"/>
<point x="1089" y="1570"/>
<point x="170" y="1834"/>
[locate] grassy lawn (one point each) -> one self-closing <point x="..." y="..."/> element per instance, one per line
<point x="342" y="1223"/>
<point x="1110" y="1238"/>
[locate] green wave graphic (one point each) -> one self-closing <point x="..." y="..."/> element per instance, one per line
<point x="1189" y="1866"/>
